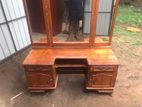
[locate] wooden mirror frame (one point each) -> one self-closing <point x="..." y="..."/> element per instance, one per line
<point x="48" y="27"/>
<point x="30" y="29"/>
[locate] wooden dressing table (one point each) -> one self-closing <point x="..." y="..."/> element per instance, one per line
<point x="94" y="58"/>
<point x="100" y="69"/>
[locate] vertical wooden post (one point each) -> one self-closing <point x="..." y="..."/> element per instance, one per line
<point x="28" y="19"/>
<point x="95" y="5"/>
<point x="48" y="21"/>
<point x="113" y="21"/>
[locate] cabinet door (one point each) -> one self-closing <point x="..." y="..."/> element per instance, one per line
<point x="101" y="80"/>
<point x="39" y="79"/>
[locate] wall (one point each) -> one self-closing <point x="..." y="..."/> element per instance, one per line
<point x="103" y="18"/>
<point x="14" y="33"/>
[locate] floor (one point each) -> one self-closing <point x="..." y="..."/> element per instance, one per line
<point x="70" y="91"/>
<point x="41" y="38"/>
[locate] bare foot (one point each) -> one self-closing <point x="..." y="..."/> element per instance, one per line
<point x="76" y="37"/>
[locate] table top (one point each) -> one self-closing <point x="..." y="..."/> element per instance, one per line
<point x="102" y="56"/>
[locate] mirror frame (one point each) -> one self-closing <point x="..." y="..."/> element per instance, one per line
<point x="92" y="36"/>
<point x="30" y="29"/>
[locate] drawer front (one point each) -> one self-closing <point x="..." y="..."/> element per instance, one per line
<point x="40" y="68"/>
<point x="103" y="68"/>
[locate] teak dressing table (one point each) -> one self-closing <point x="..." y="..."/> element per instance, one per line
<point x="56" y="52"/>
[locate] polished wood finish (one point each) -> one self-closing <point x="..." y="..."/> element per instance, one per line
<point x="102" y="78"/>
<point x="40" y="77"/>
<point x="46" y="60"/>
<point x="51" y="11"/>
<point x="100" y="66"/>
<point x="95" y="6"/>
<point x="94" y="56"/>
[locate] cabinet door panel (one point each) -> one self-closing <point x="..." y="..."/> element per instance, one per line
<point x="101" y="80"/>
<point x="106" y="80"/>
<point x="39" y="79"/>
<point x="96" y="80"/>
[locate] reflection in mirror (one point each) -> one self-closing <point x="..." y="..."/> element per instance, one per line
<point x="104" y="21"/>
<point x="36" y="19"/>
<point x="75" y="21"/>
<point x="102" y="32"/>
<point x="39" y="37"/>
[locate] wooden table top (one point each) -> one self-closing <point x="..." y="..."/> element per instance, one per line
<point x="104" y="56"/>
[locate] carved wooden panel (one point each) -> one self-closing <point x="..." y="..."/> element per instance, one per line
<point x="102" y="68"/>
<point x="40" y="75"/>
<point x="100" y="80"/>
<point x="38" y="68"/>
<point x="102" y="76"/>
<point x="40" y="79"/>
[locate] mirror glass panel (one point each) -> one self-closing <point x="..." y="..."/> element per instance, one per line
<point x="104" y="21"/>
<point x="75" y="21"/>
<point x="36" y="17"/>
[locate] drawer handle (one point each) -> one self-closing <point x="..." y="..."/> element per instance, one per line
<point x="38" y="69"/>
<point x="102" y="69"/>
<point x="45" y="69"/>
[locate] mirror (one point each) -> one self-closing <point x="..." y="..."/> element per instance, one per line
<point x="104" y="21"/>
<point x="37" y="22"/>
<point x="75" y="16"/>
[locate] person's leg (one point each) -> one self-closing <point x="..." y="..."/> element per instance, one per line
<point x="73" y="30"/>
<point x="76" y="29"/>
<point x="70" y="29"/>
<point x="65" y="17"/>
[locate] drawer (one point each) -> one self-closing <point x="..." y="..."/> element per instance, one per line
<point x="38" y="68"/>
<point x="103" y="68"/>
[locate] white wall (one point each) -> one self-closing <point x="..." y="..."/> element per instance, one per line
<point x="103" y="18"/>
<point x="14" y="33"/>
